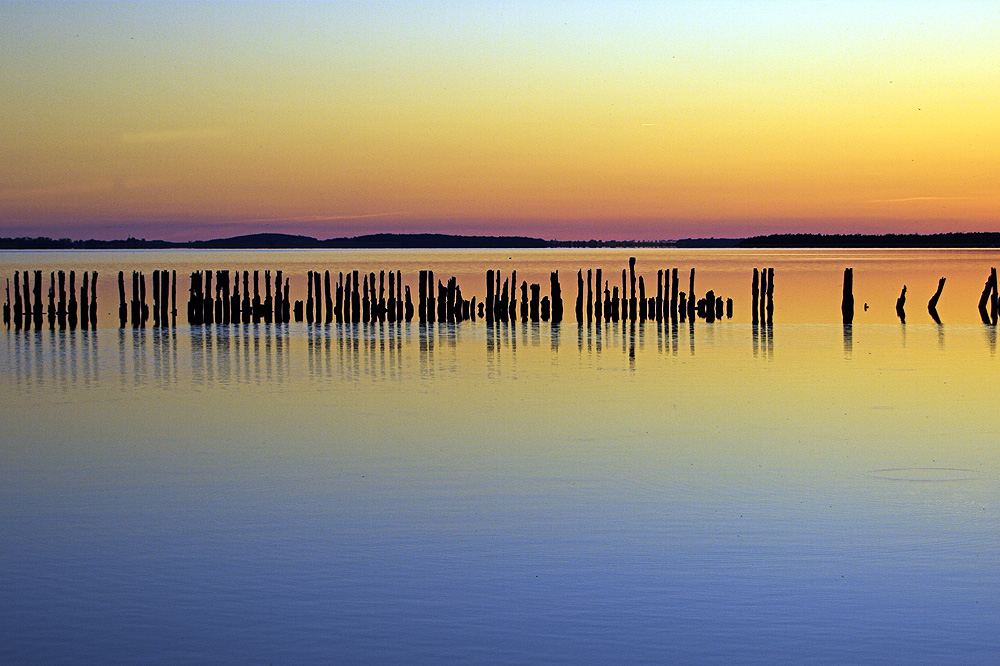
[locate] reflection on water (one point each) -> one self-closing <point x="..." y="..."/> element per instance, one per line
<point x="787" y="492"/>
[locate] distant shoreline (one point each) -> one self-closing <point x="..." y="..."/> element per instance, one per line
<point x="977" y="240"/>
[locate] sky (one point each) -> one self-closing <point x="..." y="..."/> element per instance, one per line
<point x="558" y="120"/>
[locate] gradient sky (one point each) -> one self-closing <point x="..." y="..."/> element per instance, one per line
<point x="578" y="120"/>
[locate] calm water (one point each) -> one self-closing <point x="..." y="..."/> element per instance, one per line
<point x="707" y="494"/>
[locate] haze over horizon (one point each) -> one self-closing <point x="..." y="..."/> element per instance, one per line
<point x="563" y="121"/>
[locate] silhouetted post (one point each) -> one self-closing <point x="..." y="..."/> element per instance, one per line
<point x="755" y="297"/>
<point x="644" y="309"/>
<point x="37" y="305"/>
<point x="51" y="310"/>
<point x="122" y="308"/>
<point x="994" y="304"/>
<point x="224" y="307"/>
<point x="366" y="308"/>
<point x="984" y="300"/>
<point x="524" y="300"/>
<point x="631" y="290"/>
<point x="847" y="303"/>
<point x="504" y="314"/>
<point x="557" y="302"/>
<point x="27" y="300"/>
<point x="489" y="296"/>
<point x="579" y="296"/>
<point x="770" y="294"/>
<point x="143" y="308"/>
<point x="658" y="312"/>
<point x="450" y="301"/>
<point x="430" y="297"/>
<point x="442" y="303"/>
<point x="84" y="303"/>
<point x="710" y="306"/>
<point x="616" y="305"/>
<point x="173" y="297"/>
<point x="338" y="308"/>
<point x="674" y="286"/>
<point x="932" y="304"/>
<point x="61" y="311"/>
<point x="207" y="305"/>
<point x="246" y="309"/>
<point x="391" y="307"/>
<point x="156" y="298"/>
<point x="763" y="294"/>
<point x="93" y="299"/>
<point x="624" y="296"/>
<point x="18" y="303"/>
<point x="328" y="297"/>
<point x="718" y="307"/>
<point x="298" y="311"/>
<point x="590" y="296"/>
<point x="729" y="308"/>
<point x="607" y="302"/>
<point x="421" y="296"/>
<point x="399" y="296"/>
<point x="682" y="307"/>
<point x="355" y="298"/>
<point x="691" y="298"/>
<point x="546" y="308"/>
<point x="309" y="297"/>
<point x="235" y="316"/>
<point x="535" y="313"/>
<point x="6" y="307"/>
<point x="220" y="305"/>
<point x="408" y="311"/>
<point x="285" y="304"/>
<point x="598" y="301"/>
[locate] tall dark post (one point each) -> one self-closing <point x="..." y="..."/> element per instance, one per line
<point x="286" y="314"/>
<point x="51" y="309"/>
<point x="590" y="296"/>
<point x="658" y="313"/>
<point x="37" y="306"/>
<point x="710" y="306"/>
<point x="598" y="310"/>
<point x="994" y="303"/>
<point x="18" y="303"/>
<point x="421" y="296"/>
<point x="365" y="301"/>
<point x="279" y="301"/>
<point x="235" y="314"/>
<point x="524" y="300"/>
<point x="27" y="301"/>
<point x="631" y="290"/>
<point x="328" y="297"/>
<point x="93" y="299"/>
<point x="61" y="311"/>
<point x="218" y="303"/>
<point x="579" y="296"/>
<point x="408" y="303"/>
<point x="430" y="296"/>
<point x="122" y="308"/>
<point x="673" y="295"/>
<point x="6" y="307"/>
<point x="143" y="308"/>
<point x="847" y="303"/>
<point x="692" y="301"/>
<point x="535" y="314"/>
<point x="207" y="306"/>
<point x="309" y="297"/>
<point x="246" y="310"/>
<point x="84" y="302"/>
<point x="643" y="308"/>
<point x="901" y="304"/>
<point x="624" y="297"/>
<point x="156" y="297"/>
<point x="173" y="297"/>
<point x="225" y="302"/>
<point x="355" y="298"/>
<point x="400" y="309"/>
<point x="763" y="295"/>
<point x="770" y="294"/>
<point x="489" y="296"/>
<point x="755" y="297"/>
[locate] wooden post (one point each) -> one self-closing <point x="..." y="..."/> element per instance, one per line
<point x="143" y="308"/>
<point x="355" y="298"/>
<point x="207" y="306"/>
<point x="156" y="298"/>
<point x="579" y="296"/>
<point x="27" y="300"/>
<point x="37" y="306"/>
<point x="932" y="304"/>
<point x="366" y="311"/>
<point x="93" y="299"/>
<point x="51" y="310"/>
<point x="658" y="312"/>
<point x="309" y="297"/>
<point x="6" y="307"/>
<point x="590" y="296"/>
<point x="847" y="303"/>
<point x="225" y="302"/>
<point x="994" y="304"/>
<point x="534" y="312"/>
<point x="598" y="301"/>
<point x="631" y="290"/>
<point x="61" y="311"/>
<point x="122" y="308"/>
<point x="692" y="301"/>
<point x="489" y="296"/>
<point x="557" y="302"/>
<point x="900" y="305"/>
<point x="235" y="316"/>
<point x="770" y="294"/>
<point x="328" y="297"/>
<point x="644" y="309"/>
<point x="524" y="301"/>
<point x="421" y="296"/>
<point x="408" y="311"/>
<point x="682" y="307"/>
<point x="84" y="303"/>
<point x="400" y="311"/>
<point x="173" y="297"/>
<point x="729" y="308"/>
<point x="710" y="306"/>
<point x="286" y="314"/>
<point x="546" y="308"/>
<point x="673" y="295"/>
<point x="755" y="297"/>
<point x="430" y="297"/>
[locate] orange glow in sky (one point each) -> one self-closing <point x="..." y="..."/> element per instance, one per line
<point x="567" y="121"/>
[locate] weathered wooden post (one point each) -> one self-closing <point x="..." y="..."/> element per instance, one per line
<point x="328" y="297"/>
<point x="37" y="306"/>
<point x="729" y="308"/>
<point x="644" y="309"/>
<point x="18" y="303"/>
<point x="579" y="296"/>
<point x="225" y="302"/>
<point x="365" y="301"/>
<point x="524" y="301"/>
<point x="770" y="294"/>
<point x="535" y="313"/>
<point x="6" y="307"/>
<point x="61" y="311"/>
<point x="122" y="308"/>
<point x="442" y="303"/>
<point x="408" y="303"/>
<point x="400" y="309"/>
<point x="682" y="307"/>
<point x="93" y="299"/>
<point x="355" y="298"/>
<point x="84" y="303"/>
<point x="51" y="309"/>
<point x="984" y="299"/>
<point x="932" y="304"/>
<point x="156" y="298"/>
<point x="27" y="300"/>
<point x="674" y="286"/>
<point x="632" y="303"/>
<point x="615" y="305"/>
<point x="421" y="296"/>
<point x="557" y="302"/>
<point x="246" y="308"/>
<point x="710" y="306"/>
<point x="598" y="296"/>
<point x="286" y="314"/>
<point x="430" y="297"/>
<point x="755" y="297"/>
<point x="590" y="296"/>
<point x="901" y="304"/>
<point x="207" y="305"/>
<point x="173" y="297"/>
<point x="143" y="308"/>
<point x="309" y="297"/>
<point x="847" y="303"/>
<point x="546" y="308"/>
<point x="994" y="303"/>
<point x="691" y="298"/>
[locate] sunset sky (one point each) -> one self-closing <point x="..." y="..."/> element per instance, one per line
<point x="577" y="120"/>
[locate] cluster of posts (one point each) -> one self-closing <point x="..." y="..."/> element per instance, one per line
<point x="26" y="308"/>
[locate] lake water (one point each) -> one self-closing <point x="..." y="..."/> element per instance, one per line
<point x="518" y="494"/>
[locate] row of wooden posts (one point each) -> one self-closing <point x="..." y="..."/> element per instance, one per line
<point x="26" y="308"/>
<point x="988" y="301"/>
